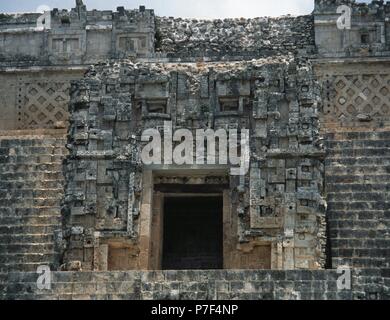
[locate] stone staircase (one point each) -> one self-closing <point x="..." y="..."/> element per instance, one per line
<point x="198" y="285"/>
<point x="358" y="194"/>
<point x="31" y="189"/>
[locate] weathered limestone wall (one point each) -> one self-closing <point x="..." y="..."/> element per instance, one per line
<point x="353" y="68"/>
<point x="75" y="37"/>
<point x="37" y="65"/>
<point x="355" y="122"/>
<point x="35" y="98"/>
<point x="278" y="203"/>
<point x="229" y="38"/>
<point x="355" y="93"/>
<point x="357" y="188"/>
<point x="31" y="191"/>
<point x="368" y="35"/>
<point x="38" y="61"/>
<point x="199" y="285"/>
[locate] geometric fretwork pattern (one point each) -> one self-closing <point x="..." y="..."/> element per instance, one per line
<point x="354" y="97"/>
<point x="45" y="104"/>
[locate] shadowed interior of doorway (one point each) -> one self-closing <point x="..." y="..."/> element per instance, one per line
<point x="193" y="233"/>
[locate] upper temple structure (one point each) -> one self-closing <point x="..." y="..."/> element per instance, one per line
<point x="80" y="90"/>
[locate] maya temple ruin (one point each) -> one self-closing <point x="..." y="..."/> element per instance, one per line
<point x="78" y="89"/>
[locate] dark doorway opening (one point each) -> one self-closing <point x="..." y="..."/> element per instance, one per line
<point x="193" y="233"/>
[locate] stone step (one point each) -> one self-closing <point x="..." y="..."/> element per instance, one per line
<point x="28" y="168"/>
<point x="17" y="248"/>
<point x="362" y="144"/>
<point x="34" y="191"/>
<point x="359" y="217"/>
<point x="358" y="152"/>
<point x="358" y="243"/>
<point x="32" y="185"/>
<point x="83" y="297"/>
<point x="30" y="212"/>
<point x="25" y="258"/>
<point x="31" y="220"/>
<point x="19" y="187"/>
<point x="358" y="231"/>
<point x="358" y="205"/>
<point x="357" y="234"/>
<point x="357" y="214"/>
<point x="358" y="196"/>
<point x="28" y="209"/>
<point x="357" y="187"/>
<point x="27" y="266"/>
<point x="361" y="135"/>
<point x="362" y="253"/>
<point x="39" y="168"/>
<point x="108" y="287"/>
<point x="29" y="229"/>
<point x="361" y="225"/>
<point x="32" y="166"/>
<point x="31" y="190"/>
<point x="26" y="238"/>
<point x="38" y="149"/>
<point x="32" y="176"/>
<point x="33" y="150"/>
<point x="334" y="170"/>
<point x="33" y="159"/>
<point x="127" y="290"/>
<point x="347" y="242"/>
<point x="20" y="212"/>
<point x="30" y="157"/>
<point x="9" y="142"/>
<point x="37" y="203"/>
<point x="379" y="219"/>
<point x="358" y="179"/>
<point x="361" y="262"/>
<point x="47" y="157"/>
<point x="31" y="194"/>
<point x="360" y="161"/>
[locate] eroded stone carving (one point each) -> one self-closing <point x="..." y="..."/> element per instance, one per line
<point x="279" y="201"/>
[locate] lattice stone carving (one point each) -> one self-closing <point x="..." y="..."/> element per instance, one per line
<point x="357" y="97"/>
<point x="45" y="104"/>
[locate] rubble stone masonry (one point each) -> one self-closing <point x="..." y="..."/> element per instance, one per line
<point x="78" y="89"/>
